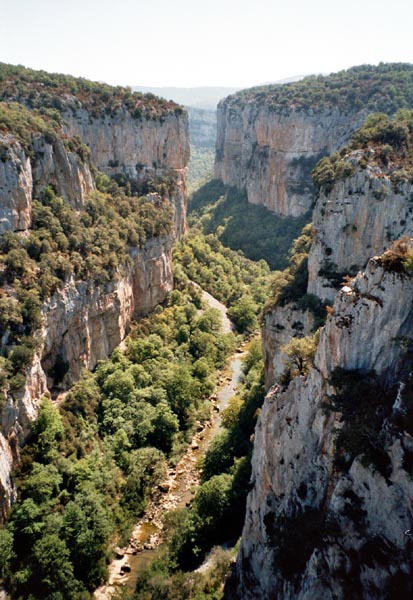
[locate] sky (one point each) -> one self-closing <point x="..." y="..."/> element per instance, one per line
<point x="236" y="43"/>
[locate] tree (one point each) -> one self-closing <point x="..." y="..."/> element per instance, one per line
<point x="48" y="429"/>
<point x="243" y="313"/>
<point x="301" y="352"/>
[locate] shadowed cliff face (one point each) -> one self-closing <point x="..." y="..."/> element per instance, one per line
<point x="327" y="515"/>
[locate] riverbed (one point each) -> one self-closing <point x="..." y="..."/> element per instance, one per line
<point x="179" y="487"/>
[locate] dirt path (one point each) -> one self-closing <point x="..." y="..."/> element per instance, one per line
<point x="178" y="489"/>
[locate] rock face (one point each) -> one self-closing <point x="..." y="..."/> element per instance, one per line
<point x="280" y="325"/>
<point x="314" y="528"/>
<point x="358" y="218"/>
<point x="83" y="322"/>
<point x="135" y="147"/>
<point x="23" y="174"/>
<point x="271" y="152"/>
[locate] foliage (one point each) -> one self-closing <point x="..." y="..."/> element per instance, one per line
<point x="79" y="492"/>
<point x="200" y="167"/>
<point x="230" y="277"/>
<point x="301" y="352"/>
<point x="385" y="88"/>
<point x="160" y="583"/>
<point x="239" y="225"/>
<point x="218" y="510"/>
<point x="382" y="142"/>
<point x="55" y="92"/>
<point x="22" y="122"/>
<point x="290" y="285"/>
<point x="399" y="257"/>
<point x="93" y="245"/>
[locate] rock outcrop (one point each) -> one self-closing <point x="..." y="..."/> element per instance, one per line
<point x="280" y="325"/>
<point x="359" y="217"/>
<point x="24" y="172"/>
<point x="270" y="153"/>
<point x="325" y="521"/>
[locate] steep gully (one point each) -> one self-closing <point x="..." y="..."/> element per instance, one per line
<point x="178" y="488"/>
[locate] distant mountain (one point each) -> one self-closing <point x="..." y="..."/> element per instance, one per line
<point x="197" y="97"/>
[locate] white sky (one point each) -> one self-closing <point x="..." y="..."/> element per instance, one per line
<point x="192" y="43"/>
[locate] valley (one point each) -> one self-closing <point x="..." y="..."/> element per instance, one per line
<point x="233" y="367"/>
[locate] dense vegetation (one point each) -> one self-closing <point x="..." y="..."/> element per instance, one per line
<point x="238" y="282"/>
<point x="290" y="285"/>
<point x="200" y="167"/>
<point x="385" y="88"/>
<point x="42" y="90"/>
<point x="92" y="462"/>
<point x="92" y="245"/>
<point x="244" y="226"/>
<point x="218" y="510"/>
<point x="22" y="123"/>
<point x="386" y="143"/>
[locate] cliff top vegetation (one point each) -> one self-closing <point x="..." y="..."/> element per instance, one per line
<point x="39" y="89"/>
<point x="383" y="143"/>
<point x="385" y="88"/>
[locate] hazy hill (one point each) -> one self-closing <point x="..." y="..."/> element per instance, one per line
<point x="198" y="97"/>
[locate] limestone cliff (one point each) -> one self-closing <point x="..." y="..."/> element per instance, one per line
<point x="269" y="138"/>
<point x="84" y="322"/>
<point x="364" y="202"/>
<point x="25" y="171"/>
<point x="326" y="516"/>
<point x="357" y="218"/>
<point x="271" y="153"/>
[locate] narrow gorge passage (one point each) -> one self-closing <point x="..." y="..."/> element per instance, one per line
<point x="179" y="488"/>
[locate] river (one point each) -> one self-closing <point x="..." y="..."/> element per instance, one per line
<point x="178" y="489"/>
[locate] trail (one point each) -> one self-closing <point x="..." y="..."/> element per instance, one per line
<point x="178" y="488"/>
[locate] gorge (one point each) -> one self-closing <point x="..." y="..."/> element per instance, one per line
<point x="110" y="358"/>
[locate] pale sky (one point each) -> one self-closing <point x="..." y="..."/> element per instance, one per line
<point x="236" y="43"/>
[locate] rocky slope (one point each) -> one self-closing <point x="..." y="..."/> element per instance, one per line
<point x="270" y="138"/>
<point x="326" y="516"/>
<point x="142" y="140"/>
<point x="364" y="202"/>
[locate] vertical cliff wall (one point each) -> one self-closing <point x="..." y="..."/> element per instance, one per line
<point x="269" y="138"/>
<point x="326" y="516"/>
<point x="364" y="203"/>
<point x="270" y="153"/>
<point x="25" y="171"/>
